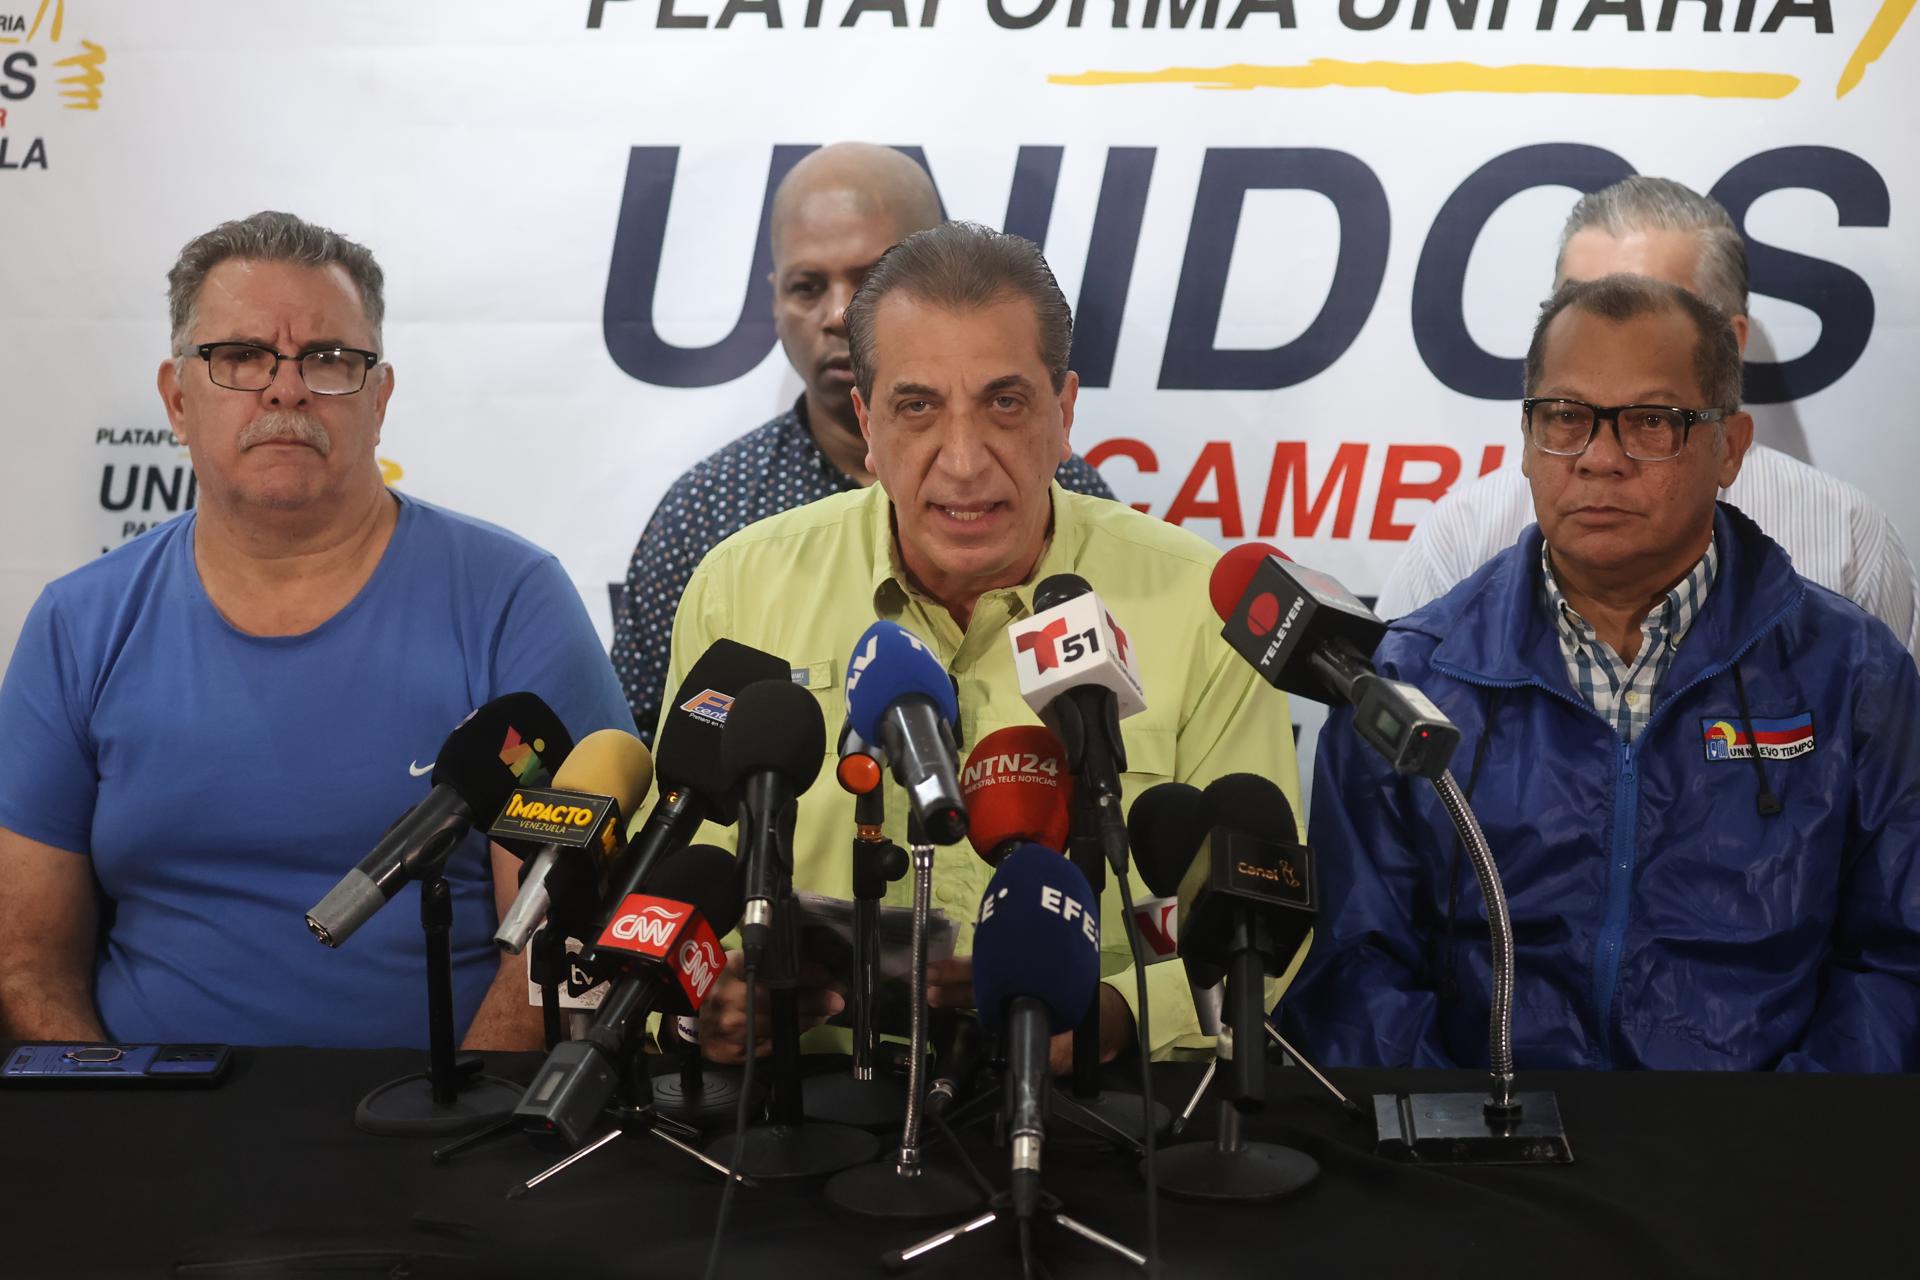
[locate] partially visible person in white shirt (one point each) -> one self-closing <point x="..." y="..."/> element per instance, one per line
<point x="1834" y="533"/>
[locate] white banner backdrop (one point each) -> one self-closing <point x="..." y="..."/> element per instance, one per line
<point x="1304" y="240"/>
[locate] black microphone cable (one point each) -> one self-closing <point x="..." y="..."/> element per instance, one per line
<point x="739" y="1138"/>
<point x="1146" y="1074"/>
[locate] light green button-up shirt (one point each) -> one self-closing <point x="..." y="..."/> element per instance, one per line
<point x="804" y="584"/>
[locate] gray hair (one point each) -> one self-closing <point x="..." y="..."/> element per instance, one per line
<point x="962" y="266"/>
<point x="270" y="237"/>
<point x="1641" y="203"/>
<point x="1716" y="353"/>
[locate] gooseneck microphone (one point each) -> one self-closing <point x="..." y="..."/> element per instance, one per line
<point x="513" y="740"/>
<point x="1036" y="966"/>
<point x="1305" y="633"/>
<point x="694" y="786"/>
<point x="901" y="699"/>
<point x="772" y="750"/>
<point x="601" y="782"/>
<point x="1018" y="789"/>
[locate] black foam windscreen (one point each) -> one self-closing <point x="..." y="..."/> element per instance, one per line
<point x="1059" y="589"/>
<point x="688" y="752"/>
<point x="775" y="726"/>
<point x="1164" y="830"/>
<point x="702" y="876"/>
<point x="515" y="740"/>
<point x="1253" y="804"/>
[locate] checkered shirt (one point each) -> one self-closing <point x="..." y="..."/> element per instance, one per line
<point x="1623" y="692"/>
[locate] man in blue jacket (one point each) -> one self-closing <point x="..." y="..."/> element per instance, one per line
<point x="1698" y="772"/>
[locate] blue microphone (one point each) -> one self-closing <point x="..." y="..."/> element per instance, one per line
<point x="900" y="697"/>
<point x="1036" y="966"/>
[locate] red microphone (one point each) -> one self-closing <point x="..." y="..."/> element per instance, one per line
<point x="1234" y="573"/>
<point x="670" y="935"/>
<point x="1017" y="788"/>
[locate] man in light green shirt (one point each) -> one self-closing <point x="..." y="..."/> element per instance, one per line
<point x="959" y="342"/>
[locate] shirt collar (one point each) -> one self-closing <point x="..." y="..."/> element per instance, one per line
<point x="888" y="582"/>
<point x="1668" y="623"/>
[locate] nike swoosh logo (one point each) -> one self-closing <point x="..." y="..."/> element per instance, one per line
<point x="420" y="770"/>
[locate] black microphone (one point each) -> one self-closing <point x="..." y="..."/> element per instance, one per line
<point x="694" y="786"/>
<point x="1305" y="633"/>
<point x="772" y="750"/>
<point x="668" y="940"/>
<point x="1166" y="827"/>
<point x="1247" y="903"/>
<point x="954" y="1070"/>
<point x="516" y="739"/>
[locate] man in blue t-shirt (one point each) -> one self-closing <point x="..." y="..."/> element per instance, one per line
<point x="213" y="723"/>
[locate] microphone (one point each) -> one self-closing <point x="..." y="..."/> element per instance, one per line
<point x="1017" y="789"/>
<point x="1307" y="634"/>
<point x="513" y="739"/>
<point x="1166" y="827"/>
<point x="900" y="698"/>
<point x="1247" y="902"/>
<point x="605" y="777"/>
<point x="667" y="939"/>
<point x="774" y="744"/>
<point x="694" y="787"/>
<point x="1036" y="966"/>
<point x="954" y="1070"/>
<point x="1078" y="671"/>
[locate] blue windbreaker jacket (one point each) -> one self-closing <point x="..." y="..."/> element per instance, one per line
<point x="1660" y="919"/>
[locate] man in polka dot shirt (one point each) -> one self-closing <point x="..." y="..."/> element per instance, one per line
<point x="837" y="211"/>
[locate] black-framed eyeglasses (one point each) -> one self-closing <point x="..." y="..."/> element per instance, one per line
<point x="248" y="366"/>
<point x="1646" y="432"/>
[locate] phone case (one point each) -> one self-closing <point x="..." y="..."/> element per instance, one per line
<point x="96" y="1065"/>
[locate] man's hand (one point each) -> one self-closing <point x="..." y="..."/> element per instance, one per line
<point x="950" y="983"/>
<point x="723" y="1018"/>
<point x="1116" y="1033"/>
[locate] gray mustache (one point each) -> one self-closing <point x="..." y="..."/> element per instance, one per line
<point x="286" y="424"/>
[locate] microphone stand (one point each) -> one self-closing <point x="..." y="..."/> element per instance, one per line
<point x="865" y="1097"/>
<point x="1233" y="1169"/>
<point x="1504" y="1126"/>
<point x="909" y="1189"/>
<point x="634" y="1115"/>
<point x="787" y="1146"/>
<point x="1112" y="1116"/>
<point x="1000" y="1209"/>
<point x="452" y="1095"/>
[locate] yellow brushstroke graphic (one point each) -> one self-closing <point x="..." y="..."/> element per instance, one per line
<point x="86" y="80"/>
<point x="1458" y="77"/>
<point x="391" y="472"/>
<point x="1893" y="14"/>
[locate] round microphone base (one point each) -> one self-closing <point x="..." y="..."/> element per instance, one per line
<point x="879" y="1104"/>
<point x="777" y="1152"/>
<point x="1257" y="1171"/>
<point x="881" y="1191"/>
<point x="405" y="1108"/>
<point x="715" y="1104"/>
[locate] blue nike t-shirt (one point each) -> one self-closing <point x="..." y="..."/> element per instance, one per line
<point x="222" y="783"/>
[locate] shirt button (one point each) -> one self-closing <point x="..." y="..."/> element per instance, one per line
<point x="1632" y="697"/>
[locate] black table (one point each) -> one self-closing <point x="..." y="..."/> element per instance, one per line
<point x="1674" y="1175"/>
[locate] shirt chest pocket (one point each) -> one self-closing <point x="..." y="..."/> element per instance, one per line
<point x="822" y="680"/>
